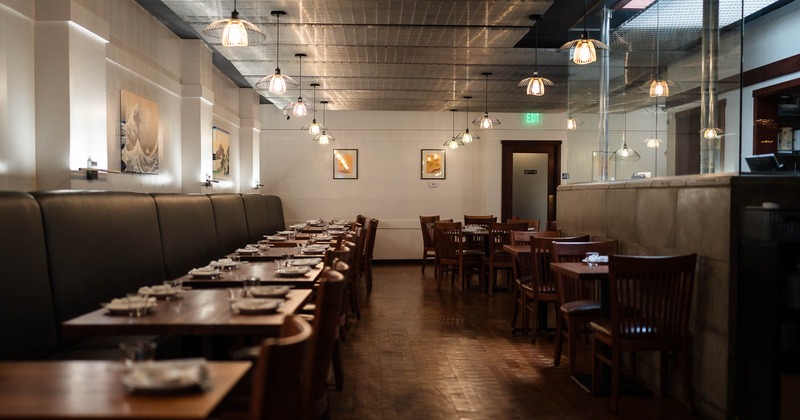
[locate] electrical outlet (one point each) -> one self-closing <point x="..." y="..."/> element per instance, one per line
<point x="565" y="175"/>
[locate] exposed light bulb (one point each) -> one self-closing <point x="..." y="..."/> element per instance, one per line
<point x="536" y="86"/>
<point x="486" y="122"/>
<point x="584" y="52"/>
<point x="323" y="139"/>
<point x="299" y="108"/>
<point x="624" y="152"/>
<point x="710" y="133"/>
<point x="277" y="84"/>
<point x="658" y="88"/>
<point x="467" y="137"/>
<point x="234" y="34"/>
<point x="453" y="144"/>
<point x="571" y="123"/>
<point x="314" y="128"/>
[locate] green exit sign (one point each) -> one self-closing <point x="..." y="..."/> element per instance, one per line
<point x="533" y="118"/>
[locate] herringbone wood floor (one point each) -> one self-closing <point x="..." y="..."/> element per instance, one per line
<point x="419" y="353"/>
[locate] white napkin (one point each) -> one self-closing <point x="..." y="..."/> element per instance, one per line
<point x="167" y="374"/>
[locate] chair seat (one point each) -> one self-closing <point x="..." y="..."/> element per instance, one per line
<point x="581" y="307"/>
<point x="473" y="253"/>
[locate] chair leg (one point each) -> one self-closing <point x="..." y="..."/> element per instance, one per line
<point x="439" y="275"/>
<point x="560" y="321"/>
<point x="616" y="361"/>
<point x="533" y="315"/>
<point x="424" y="260"/>
<point x="572" y="341"/>
<point x="368" y="275"/>
<point x="523" y="305"/>
<point x="685" y="365"/>
<point x="338" y="372"/>
<point x="490" y="279"/>
<point x="516" y="310"/>
<point x="597" y="366"/>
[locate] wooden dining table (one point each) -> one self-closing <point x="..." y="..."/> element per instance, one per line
<point x="273" y="253"/>
<point x="196" y="312"/>
<point x="94" y="389"/>
<point x="265" y="271"/>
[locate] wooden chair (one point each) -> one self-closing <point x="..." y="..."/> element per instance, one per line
<point x="366" y="255"/>
<point x="354" y="242"/>
<point x="335" y="259"/>
<point x="277" y="385"/>
<point x="361" y="220"/>
<point x="498" y="258"/>
<point x="533" y="224"/>
<point x="542" y="288"/>
<point x="328" y="303"/>
<point x="428" y="248"/>
<point x="650" y="299"/>
<point x="522" y="274"/>
<point x="578" y="300"/>
<point x="451" y="255"/>
<point x="477" y="242"/>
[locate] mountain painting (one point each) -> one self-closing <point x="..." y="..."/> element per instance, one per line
<point x="139" y="141"/>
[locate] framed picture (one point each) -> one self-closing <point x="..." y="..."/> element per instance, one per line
<point x="433" y="164"/>
<point x="220" y="153"/>
<point x="345" y="163"/>
<point x="138" y="127"/>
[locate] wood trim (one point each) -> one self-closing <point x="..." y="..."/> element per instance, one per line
<point x="778" y="88"/>
<point x="772" y="70"/>
<point x="553" y="150"/>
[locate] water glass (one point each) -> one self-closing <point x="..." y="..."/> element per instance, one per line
<point x="591" y="258"/>
<point x="136" y="304"/>
<point x="249" y="283"/>
<point x="133" y="352"/>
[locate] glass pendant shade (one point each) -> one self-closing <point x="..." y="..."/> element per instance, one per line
<point x="572" y="123"/>
<point x="298" y="107"/>
<point x="453" y="143"/>
<point x="235" y="32"/>
<point x="584" y="50"/>
<point x="313" y="127"/>
<point x="466" y="137"/>
<point x="486" y="122"/>
<point x="659" y="87"/>
<point x="653" y="143"/>
<point x="711" y="133"/>
<point x="535" y="85"/>
<point x="625" y="153"/>
<point x="324" y="138"/>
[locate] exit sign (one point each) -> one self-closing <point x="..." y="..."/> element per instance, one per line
<point x="533" y="118"/>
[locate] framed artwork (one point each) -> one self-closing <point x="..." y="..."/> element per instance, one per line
<point x="220" y="153"/>
<point x="345" y="163"/>
<point x="433" y="164"/>
<point x="138" y="126"/>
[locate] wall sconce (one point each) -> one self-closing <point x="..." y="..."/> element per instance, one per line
<point x="257" y="185"/>
<point x="209" y="181"/>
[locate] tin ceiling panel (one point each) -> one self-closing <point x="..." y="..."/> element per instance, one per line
<point x="427" y="55"/>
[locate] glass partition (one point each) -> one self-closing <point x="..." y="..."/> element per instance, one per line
<point x="670" y="98"/>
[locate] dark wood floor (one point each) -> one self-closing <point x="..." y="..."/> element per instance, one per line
<point x="422" y="353"/>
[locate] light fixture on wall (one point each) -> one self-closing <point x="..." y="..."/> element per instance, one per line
<point x="584" y="49"/>
<point x="235" y="32"/>
<point x="276" y="83"/>
<point x="314" y="127"/>
<point x="658" y="86"/>
<point x="486" y="122"/>
<point x="466" y="137"/>
<point x="625" y="153"/>
<point x="453" y="143"/>
<point x="535" y="84"/>
<point x="323" y="137"/>
<point x="298" y="107"/>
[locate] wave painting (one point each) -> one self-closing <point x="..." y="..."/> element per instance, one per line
<point x="139" y="143"/>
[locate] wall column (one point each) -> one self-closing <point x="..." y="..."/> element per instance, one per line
<point x="196" y="115"/>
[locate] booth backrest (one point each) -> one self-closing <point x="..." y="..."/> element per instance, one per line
<point x="100" y="245"/>
<point x="255" y="208"/>
<point x="231" y="222"/>
<point x="188" y="231"/>
<point x="275" y="209"/>
<point x="27" y="322"/>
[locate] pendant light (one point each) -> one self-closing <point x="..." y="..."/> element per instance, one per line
<point x="625" y="153"/>
<point x="466" y="137"/>
<point x="658" y="86"/>
<point x="486" y="122"/>
<point x="453" y="143"/>
<point x="314" y="127"/>
<point x="535" y="84"/>
<point x="572" y="122"/>
<point x="235" y="32"/>
<point x="276" y="83"/>
<point x="323" y="137"/>
<point x="584" y="49"/>
<point x="299" y="108"/>
<point x="654" y="142"/>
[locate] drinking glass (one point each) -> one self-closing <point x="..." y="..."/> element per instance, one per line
<point x="591" y="258"/>
<point x="248" y="283"/>
<point x="133" y="352"/>
<point x="136" y="304"/>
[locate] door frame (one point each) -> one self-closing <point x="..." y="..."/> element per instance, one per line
<point x="553" y="150"/>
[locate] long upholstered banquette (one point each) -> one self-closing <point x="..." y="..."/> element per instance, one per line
<point x="64" y="252"/>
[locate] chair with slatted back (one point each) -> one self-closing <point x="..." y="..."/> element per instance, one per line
<point x="361" y="220"/>
<point x="533" y="224"/>
<point x="428" y="248"/>
<point x="522" y="275"/>
<point x="650" y="299"/>
<point x="498" y="258"/>
<point x="354" y="241"/>
<point x="542" y="288"/>
<point x="328" y="303"/>
<point x="335" y="259"/>
<point x="366" y="255"/>
<point x="451" y="255"/>
<point x="280" y="366"/>
<point x="578" y="300"/>
<point x="474" y="241"/>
